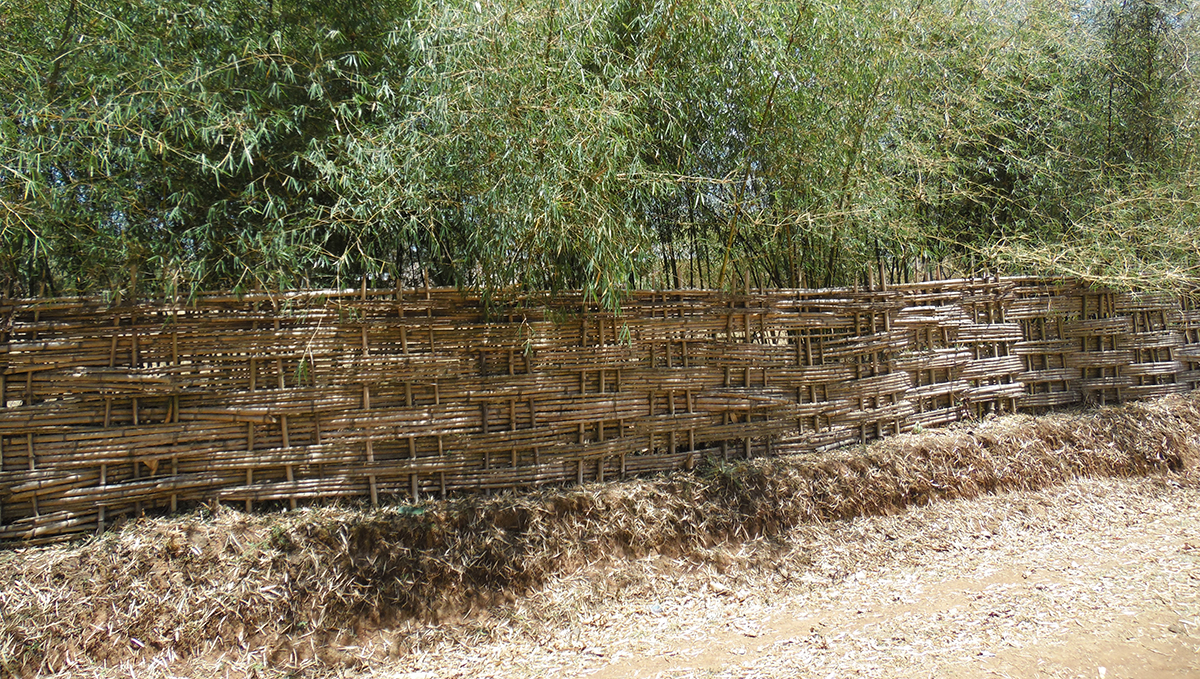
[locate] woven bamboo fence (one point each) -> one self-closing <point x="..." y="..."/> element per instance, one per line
<point x="377" y="395"/>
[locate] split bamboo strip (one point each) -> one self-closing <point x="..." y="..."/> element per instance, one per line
<point x="375" y="394"/>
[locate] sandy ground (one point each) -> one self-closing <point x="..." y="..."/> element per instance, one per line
<point x="1098" y="578"/>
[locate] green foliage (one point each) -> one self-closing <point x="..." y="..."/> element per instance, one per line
<point x="170" y="141"/>
<point x="163" y="146"/>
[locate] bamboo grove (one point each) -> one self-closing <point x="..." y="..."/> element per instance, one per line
<point x="161" y="147"/>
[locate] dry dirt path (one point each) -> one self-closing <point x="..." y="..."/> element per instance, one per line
<point x="1099" y="578"/>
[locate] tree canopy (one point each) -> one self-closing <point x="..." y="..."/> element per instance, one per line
<point x="164" y="146"/>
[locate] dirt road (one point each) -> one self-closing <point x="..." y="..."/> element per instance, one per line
<point x="1099" y="578"/>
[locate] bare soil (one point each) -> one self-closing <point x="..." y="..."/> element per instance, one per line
<point x="1095" y="578"/>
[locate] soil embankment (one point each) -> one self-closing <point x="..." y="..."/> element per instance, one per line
<point x="329" y="588"/>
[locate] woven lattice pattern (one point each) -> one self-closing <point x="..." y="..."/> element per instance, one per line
<point x="112" y="411"/>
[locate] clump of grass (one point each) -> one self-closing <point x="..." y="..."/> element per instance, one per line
<point x="292" y="586"/>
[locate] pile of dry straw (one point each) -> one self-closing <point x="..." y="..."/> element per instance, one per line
<point x="220" y="580"/>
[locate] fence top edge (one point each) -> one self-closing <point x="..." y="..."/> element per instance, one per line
<point x="9" y="305"/>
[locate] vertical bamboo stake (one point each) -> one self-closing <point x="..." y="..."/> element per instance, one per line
<point x="249" y="470"/>
<point x="174" y="473"/>
<point x="442" y="474"/>
<point x="413" y="478"/>
<point x="112" y="350"/>
<point x="799" y="420"/>
<point x="370" y="451"/>
<point x="289" y="468"/>
<point x="32" y="467"/>
<point x="317" y="441"/>
<point x="432" y="344"/>
<point x="175" y="458"/>
<point x="100" y="510"/>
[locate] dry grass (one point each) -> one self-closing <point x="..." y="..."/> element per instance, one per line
<point x="1051" y="573"/>
<point x="293" y="591"/>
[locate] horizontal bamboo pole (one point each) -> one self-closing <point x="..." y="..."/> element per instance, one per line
<point x="551" y="390"/>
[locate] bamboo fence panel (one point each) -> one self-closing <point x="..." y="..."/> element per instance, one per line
<point x="107" y="412"/>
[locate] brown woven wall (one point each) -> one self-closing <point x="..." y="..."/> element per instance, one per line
<point x="379" y="394"/>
